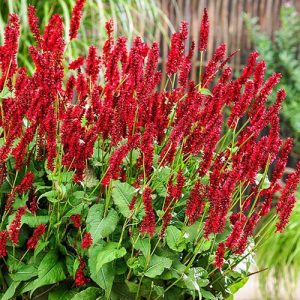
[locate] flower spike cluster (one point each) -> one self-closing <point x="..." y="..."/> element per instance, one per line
<point x="191" y="153"/>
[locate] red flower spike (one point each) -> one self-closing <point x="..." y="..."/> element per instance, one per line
<point x="107" y="47"/>
<point x="195" y="203"/>
<point x="287" y="199"/>
<point x="75" y="18"/>
<point x="33" y="22"/>
<point x="80" y="278"/>
<point x="282" y="159"/>
<point x="93" y="64"/>
<point x="148" y="224"/>
<point x="77" y="63"/>
<point x="8" y="56"/>
<point x="176" y="54"/>
<point x="86" y="241"/>
<point x="15" y="226"/>
<point x="219" y="259"/>
<point x="37" y="233"/>
<point x="204" y="31"/>
<point x="76" y="219"/>
<point x="26" y="183"/>
<point x="3" y="239"/>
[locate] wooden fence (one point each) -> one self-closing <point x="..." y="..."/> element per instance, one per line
<point x="227" y="24"/>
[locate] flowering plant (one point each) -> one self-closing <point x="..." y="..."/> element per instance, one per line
<point x="115" y="189"/>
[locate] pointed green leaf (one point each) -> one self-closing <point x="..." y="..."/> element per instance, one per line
<point x="33" y="221"/>
<point x="40" y="247"/>
<point x="10" y="292"/>
<point x="206" y="92"/>
<point x="98" y="226"/>
<point x="105" y="277"/>
<point x="90" y="293"/>
<point x="62" y="292"/>
<point x="25" y="273"/>
<point x="50" y="271"/>
<point x="157" y="266"/>
<point x="122" y="195"/>
<point x="108" y="253"/>
<point x="174" y="239"/>
<point x="143" y="244"/>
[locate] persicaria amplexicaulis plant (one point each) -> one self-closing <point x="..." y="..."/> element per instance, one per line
<point x="115" y="186"/>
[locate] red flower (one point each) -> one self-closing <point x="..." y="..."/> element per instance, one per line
<point x="9" y="50"/>
<point x="77" y="63"/>
<point x="26" y="183"/>
<point x="219" y="259"/>
<point x="249" y="68"/>
<point x="93" y="64"/>
<point x="3" y="239"/>
<point x="176" y="54"/>
<point x="235" y="235"/>
<point x="80" y="278"/>
<point x="86" y="241"/>
<point x="132" y="203"/>
<point x="76" y="219"/>
<point x="204" y="31"/>
<point x="148" y="224"/>
<point x="15" y="226"/>
<point x="33" y="22"/>
<point x="37" y="233"/>
<point x="287" y="199"/>
<point x="11" y="196"/>
<point x="32" y="199"/>
<point x="186" y="66"/>
<point x="75" y="18"/>
<point x="195" y="203"/>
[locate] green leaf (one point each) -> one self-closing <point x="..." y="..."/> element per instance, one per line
<point x="75" y="210"/>
<point x="40" y="247"/>
<point x="78" y="194"/>
<point x="10" y="292"/>
<point x="143" y="244"/>
<point x="176" y="270"/>
<point x="33" y="221"/>
<point x="122" y="195"/>
<point x="62" y="292"/>
<point x="195" y="278"/>
<point x="207" y="295"/>
<point x="94" y="218"/>
<point x="105" y="277"/>
<point x="90" y="293"/>
<point x="50" y="271"/>
<point x="160" y="180"/>
<point x="76" y="264"/>
<point x="132" y="286"/>
<point x="108" y="253"/>
<point x="175" y="239"/>
<point x="98" y="226"/>
<point x="157" y="266"/>
<point x="51" y="196"/>
<point x="205" y="92"/>
<point x="25" y="273"/>
<point x="6" y="93"/>
<point x="238" y="285"/>
<point x="265" y="184"/>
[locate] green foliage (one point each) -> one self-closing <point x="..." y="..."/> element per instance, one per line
<point x="280" y="253"/>
<point x="282" y="55"/>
